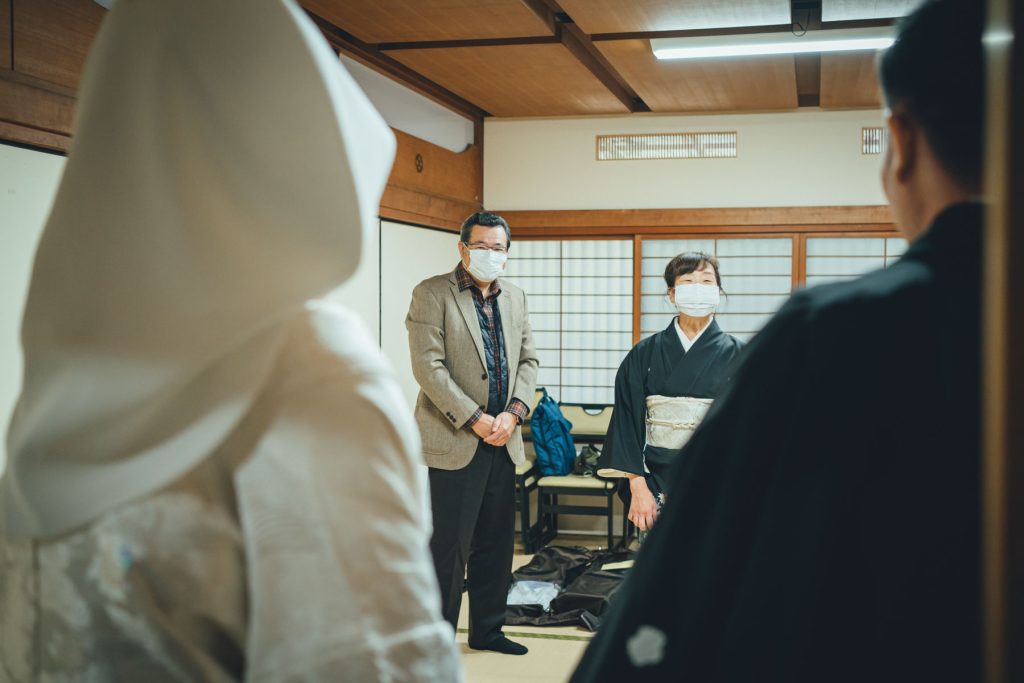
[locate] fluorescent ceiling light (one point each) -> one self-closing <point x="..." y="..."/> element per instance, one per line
<point x="740" y="45"/>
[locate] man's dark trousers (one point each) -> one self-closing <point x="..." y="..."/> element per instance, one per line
<point x="474" y="529"/>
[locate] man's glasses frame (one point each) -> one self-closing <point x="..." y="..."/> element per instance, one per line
<point x="480" y="245"/>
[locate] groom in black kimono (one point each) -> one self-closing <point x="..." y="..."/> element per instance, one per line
<point x="823" y="522"/>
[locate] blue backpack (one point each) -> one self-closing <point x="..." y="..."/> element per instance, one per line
<point x="556" y="451"/>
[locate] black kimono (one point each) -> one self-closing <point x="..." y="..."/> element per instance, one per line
<point x="823" y="524"/>
<point x="658" y="365"/>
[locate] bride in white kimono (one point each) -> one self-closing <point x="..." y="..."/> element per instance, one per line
<point x="212" y="474"/>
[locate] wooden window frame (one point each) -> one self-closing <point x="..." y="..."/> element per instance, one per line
<point x="589" y="225"/>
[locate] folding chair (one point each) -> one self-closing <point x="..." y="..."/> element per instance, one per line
<point x="589" y="426"/>
<point x="526" y="483"/>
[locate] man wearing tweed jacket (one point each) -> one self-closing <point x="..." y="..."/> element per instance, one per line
<point x="474" y="359"/>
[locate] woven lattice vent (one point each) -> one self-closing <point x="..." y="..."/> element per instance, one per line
<point x="873" y="140"/>
<point x="649" y="146"/>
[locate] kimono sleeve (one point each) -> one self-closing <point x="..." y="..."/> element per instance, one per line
<point x="623" y="451"/>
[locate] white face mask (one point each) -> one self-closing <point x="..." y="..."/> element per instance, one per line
<point x="486" y="265"/>
<point x="697" y="301"/>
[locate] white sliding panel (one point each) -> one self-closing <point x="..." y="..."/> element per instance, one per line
<point x="757" y="276"/>
<point x="894" y="248"/>
<point x="28" y="184"/>
<point x="536" y="267"/>
<point x="597" y="317"/>
<point x="581" y="309"/>
<point x="840" y="259"/>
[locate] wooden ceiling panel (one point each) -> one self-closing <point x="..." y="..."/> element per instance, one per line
<point x="617" y="16"/>
<point x="52" y="38"/>
<point x="850" y="10"/>
<point x="848" y="80"/>
<point x="756" y="84"/>
<point x="396" y="21"/>
<point x="5" y="34"/>
<point x="515" y="80"/>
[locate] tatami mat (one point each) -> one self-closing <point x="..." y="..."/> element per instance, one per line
<point x="548" y="661"/>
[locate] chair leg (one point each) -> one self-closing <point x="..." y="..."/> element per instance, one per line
<point x="554" y="515"/>
<point x="543" y="534"/>
<point x="611" y="522"/>
<point x="524" y="519"/>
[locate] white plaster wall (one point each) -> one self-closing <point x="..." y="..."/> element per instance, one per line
<point x="789" y="159"/>
<point x="28" y="184"/>
<point x="409" y="255"/>
<point x="362" y="292"/>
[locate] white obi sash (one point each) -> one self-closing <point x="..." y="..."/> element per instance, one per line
<point x="671" y="420"/>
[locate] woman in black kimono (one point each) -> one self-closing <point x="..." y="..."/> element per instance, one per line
<point x="666" y="384"/>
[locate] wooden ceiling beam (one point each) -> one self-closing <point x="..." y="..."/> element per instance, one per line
<point x="546" y="11"/>
<point x="580" y="45"/>
<point x="808" y="79"/>
<point x="584" y="50"/>
<point x="736" y="30"/>
<point x="475" y="42"/>
<point x="690" y="33"/>
<point x="806" y="16"/>
<point x="371" y="56"/>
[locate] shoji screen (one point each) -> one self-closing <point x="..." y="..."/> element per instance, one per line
<point x="581" y="306"/>
<point x="894" y="248"/>
<point x="537" y="268"/>
<point x="757" y="276"/>
<point x="837" y="259"/>
<point x="597" y="317"/>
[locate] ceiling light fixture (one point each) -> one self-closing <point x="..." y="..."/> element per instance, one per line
<point x="742" y="45"/>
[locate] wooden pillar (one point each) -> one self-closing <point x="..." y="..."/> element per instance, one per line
<point x="1003" y="349"/>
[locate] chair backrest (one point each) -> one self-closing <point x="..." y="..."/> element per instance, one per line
<point x="588" y="419"/>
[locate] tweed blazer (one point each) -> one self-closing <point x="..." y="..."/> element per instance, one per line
<point x="447" y="351"/>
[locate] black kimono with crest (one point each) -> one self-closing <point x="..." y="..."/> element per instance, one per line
<point x="658" y="366"/>
<point x="823" y="523"/>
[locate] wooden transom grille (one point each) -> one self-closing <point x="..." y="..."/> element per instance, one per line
<point x="649" y="146"/>
<point x="873" y="139"/>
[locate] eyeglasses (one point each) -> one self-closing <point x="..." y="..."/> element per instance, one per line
<point x="480" y="245"/>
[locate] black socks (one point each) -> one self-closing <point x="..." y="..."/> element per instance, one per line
<point x="503" y="645"/>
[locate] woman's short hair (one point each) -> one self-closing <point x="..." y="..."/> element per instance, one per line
<point x="689" y="262"/>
